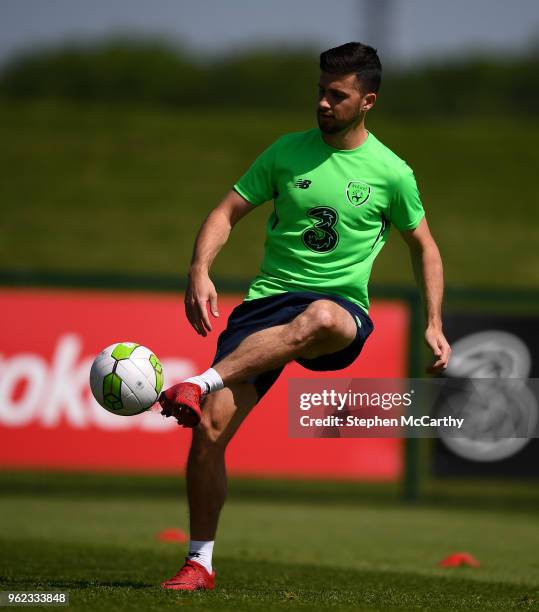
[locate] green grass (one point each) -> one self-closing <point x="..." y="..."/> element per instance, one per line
<point x="125" y="190"/>
<point x="291" y="545"/>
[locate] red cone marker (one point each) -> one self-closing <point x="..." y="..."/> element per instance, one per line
<point x="172" y="535"/>
<point x="458" y="559"/>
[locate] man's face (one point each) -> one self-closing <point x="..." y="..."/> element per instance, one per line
<point x="340" y="102"/>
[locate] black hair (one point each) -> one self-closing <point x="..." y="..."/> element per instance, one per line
<point x="354" y="57"/>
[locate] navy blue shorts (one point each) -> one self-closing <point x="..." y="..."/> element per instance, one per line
<point x="254" y="315"/>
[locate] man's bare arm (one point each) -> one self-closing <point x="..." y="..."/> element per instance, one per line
<point x="428" y="271"/>
<point x="211" y="237"/>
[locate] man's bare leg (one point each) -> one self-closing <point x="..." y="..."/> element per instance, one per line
<point x="222" y="414"/>
<point x="323" y="327"/>
<point x="224" y="411"/>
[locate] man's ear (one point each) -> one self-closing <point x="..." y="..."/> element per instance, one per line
<point x="368" y="102"/>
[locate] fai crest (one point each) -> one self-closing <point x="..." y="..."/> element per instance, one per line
<point x="358" y="193"/>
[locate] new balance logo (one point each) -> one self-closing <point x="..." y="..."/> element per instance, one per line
<point x="193" y="554"/>
<point x="303" y="184"/>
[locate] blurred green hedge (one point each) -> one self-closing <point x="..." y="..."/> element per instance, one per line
<point x="152" y="73"/>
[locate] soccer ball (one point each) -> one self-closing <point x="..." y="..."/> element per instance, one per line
<point x="126" y="378"/>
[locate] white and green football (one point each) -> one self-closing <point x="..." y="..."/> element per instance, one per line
<point x="126" y="378"/>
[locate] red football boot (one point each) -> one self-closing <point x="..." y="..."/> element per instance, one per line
<point x="182" y="401"/>
<point x="191" y="577"/>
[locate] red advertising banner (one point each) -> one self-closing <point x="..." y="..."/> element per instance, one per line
<point x="49" y="419"/>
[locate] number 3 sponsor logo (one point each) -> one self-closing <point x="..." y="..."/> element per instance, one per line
<point x="322" y="236"/>
<point x="500" y="409"/>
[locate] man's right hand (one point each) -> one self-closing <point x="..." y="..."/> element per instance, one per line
<point x="200" y="292"/>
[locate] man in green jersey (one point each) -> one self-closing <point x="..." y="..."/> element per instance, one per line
<point x="336" y="191"/>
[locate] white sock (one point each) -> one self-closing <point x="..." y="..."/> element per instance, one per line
<point x="201" y="552"/>
<point x="209" y="381"/>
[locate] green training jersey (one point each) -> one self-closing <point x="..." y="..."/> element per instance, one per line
<point x="332" y="213"/>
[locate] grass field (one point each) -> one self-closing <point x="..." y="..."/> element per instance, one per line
<point x="124" y="190"/>
<point x="282" y="545"/>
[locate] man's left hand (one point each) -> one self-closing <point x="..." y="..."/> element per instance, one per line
<point x="439" y="346"/>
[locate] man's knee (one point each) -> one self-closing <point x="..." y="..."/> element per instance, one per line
<point x="323" y="317"/>
<point x="208" y="436"/>
<point x="222" y="414"/>
<point x="324" y="327"/>
<point x="319" y="321"/>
